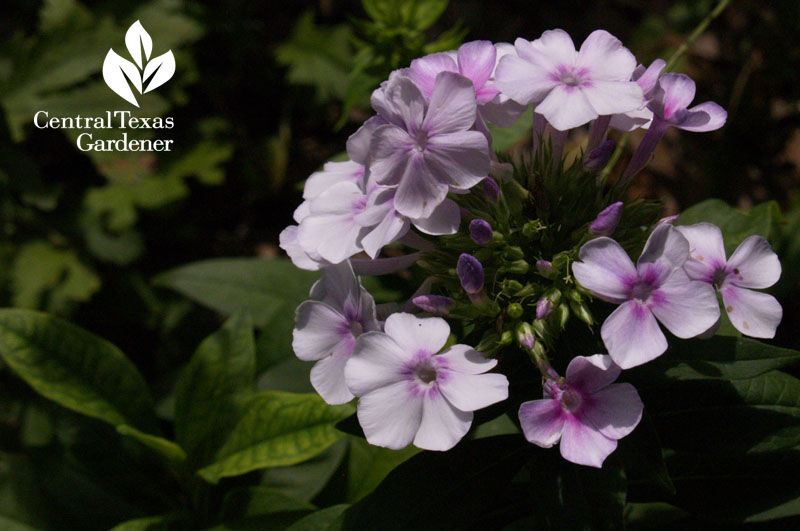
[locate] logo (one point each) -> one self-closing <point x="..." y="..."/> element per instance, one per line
<point x="144" y="74"/>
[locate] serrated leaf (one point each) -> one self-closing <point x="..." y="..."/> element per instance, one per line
<point x="75" y="368"/>
<point x="46" y="277"/>
<point x="277" y="429"/>
<point x="261" y="287"/>
<point x="320" y="57"/>
<point x="209" y="391"/>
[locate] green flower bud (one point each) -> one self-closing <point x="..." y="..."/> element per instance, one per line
<point x="506" y="337"/>
<point x="513" y="253"/>
<point x="525" y="336"/>
<point x="515" y="310"/>
<point x="562" y="315"/>
<point x="518" y="267"/>
<point x="582" y="312"/>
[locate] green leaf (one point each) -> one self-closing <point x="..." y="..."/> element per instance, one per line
<point x="210" y="390"/>
<point x="277" y="429"/>
<point x="151" y="523"/>
<point x="423" y="13"/>
<point x="504" y="138"/>
<point x="45" y="277"/>
<point x="261" y="287"/>
<point x="317" y="56"/>
<point x="760" y="414"/>
<point x="248" y="501"/>
<point x="305" y="480"/>
<point x="728" y="358"/>
<point x="369" y="465"/>
<point x="466" y="487"/>
<point x="75" y="368"/>
<point x="736" y="225"/>
<point x="166" y="449"/>
<point x="324" y="520"/>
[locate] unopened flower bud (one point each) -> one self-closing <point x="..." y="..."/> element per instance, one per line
<point x="491" y="189"/>
<point x="531" y="229"/>
<point x="545" y="268"/>
<point x="518" y="267"/>
<point x="480" y="231"/>
<point x="607" y="220"/>
<point x="506" y="337"/>
<point x="525" y="336"/>
<point x="511" y="286"/>
<point x="470" y="273"/>
<point x="513" y="253"/>
<point x="562" y="311"/>
<point x="435" y="304"/>
<point x="515" y="310"/>
<point x="582" y="312"/>
<point x="544" y="308"/>
<point x="538" y="327"/>
<point x="597" y="158"/>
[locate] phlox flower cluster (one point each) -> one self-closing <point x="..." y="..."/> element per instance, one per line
<point x="500" y="269"/>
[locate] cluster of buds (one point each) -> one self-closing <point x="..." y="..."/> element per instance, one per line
<point x="517" y="254"/>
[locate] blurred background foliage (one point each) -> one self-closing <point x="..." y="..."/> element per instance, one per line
<point x="264" y="93"/>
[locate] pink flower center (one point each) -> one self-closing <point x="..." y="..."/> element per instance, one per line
<point x="720" y="277"/>
<point x="425" y="371"/>
<point x="641" y="290"/>
<point x="570" y="400"/>
<point x="572" y="77"/>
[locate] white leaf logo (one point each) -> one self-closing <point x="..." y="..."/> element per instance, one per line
<point x="143" y="73"/>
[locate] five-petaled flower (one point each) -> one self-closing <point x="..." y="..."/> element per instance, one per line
<point x="586" y="411"/>
<point x="752" y="265"/>
<point x="656" y="288"/>
<point x="409" y="393"/>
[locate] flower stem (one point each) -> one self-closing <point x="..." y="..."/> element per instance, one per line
<point x="714" y="13"/>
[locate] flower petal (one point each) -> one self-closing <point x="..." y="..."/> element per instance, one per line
<point x="553" y="49"/>
<point x="467" y="360"/>
<point x="338" y="286"/>
<point x="391" y="151"/>
<point x="404" y="103"/>
<point x="318" y="330"/>
<point x="442" y="424"/>
<point x="377" y="361"/>
<point x="300" y="258"/>
<point x="706" y="250"/>
<point x="605" y="57"/>
<point x="615" y="411"/>
<point x="452" y="107"/>
<point x="583" y="444"/>
<point x="327" y="378"/>
<point x="502" y="111"/>
<point x="391" y="228"/>
<point x="459" y="160"/>
<point x="414" y="334"/>
<point x="678" y="93"/>
<point x="521" y="80"/>
<point x="605" y="269"/>
<point x="332" y="173"/>
<point x="753" y="313"/>
<point x="612" y="97"/>
<point x="358" y="143"/>
<point x="667" y="249"/>
<point x="424" y="70"/>
<point x="390" y="416"/>
<point x="707" y="116"/>
<point x="632" y="336"/>
<point x="590" y="373"/>
<point x="542" y="421"/>
<point x="470" y="392"/>
<point x="566" y="107"/>
<point x="686" y="307"/>
<point x="754" y="264"/>
<point x="419" y="193"/>
<point x="444" y="220"/>
<point x="476" y="60"/>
